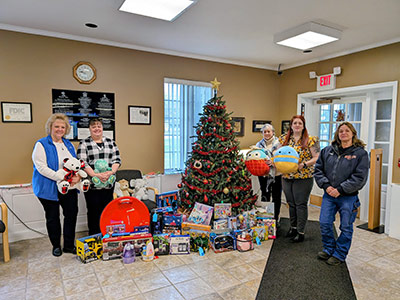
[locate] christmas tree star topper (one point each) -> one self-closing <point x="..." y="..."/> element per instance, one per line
<point x="215" y="84"/>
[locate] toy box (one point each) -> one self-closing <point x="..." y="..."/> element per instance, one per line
<point x="179" y="244"/>
<point x="168" y="199"/>
<point x="222" y="242"/>
<point x="261" y="232"/>
<point x="222" y="210"/>
<point x="201" y="214"/>
<point x="89" y="248"/>
<point x="232" y="223"/>
<point x="113" y="246"/>
<point x="271" y="225"/>
<point x="156" y="222"/>
<point x="244" y="241"/>
<point x="199" y="235"/>
<point x="221" y="224"/>
<point x="161" y="244"/>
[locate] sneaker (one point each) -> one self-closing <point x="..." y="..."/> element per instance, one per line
<point x="333" y="261"/>
<point x="298" y="238"/>
<point x="69" y="250"/>
<point x="323" y="255"/>
<point x="57" y="251"/>
<point x="292" y="232"/>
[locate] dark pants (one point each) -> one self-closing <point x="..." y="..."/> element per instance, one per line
<point x="274" y="189"/>
<point x="69" y="205"/>
<point x="297" y="192"/>
<point x="347" y="206"/>
<point x="96" y="201"/>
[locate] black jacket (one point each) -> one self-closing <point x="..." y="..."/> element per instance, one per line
<point x="347" y="172"/>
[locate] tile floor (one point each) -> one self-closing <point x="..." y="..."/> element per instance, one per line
<point x="33" y="273"/>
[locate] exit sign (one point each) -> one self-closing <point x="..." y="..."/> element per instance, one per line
<point x="326" y="82"/>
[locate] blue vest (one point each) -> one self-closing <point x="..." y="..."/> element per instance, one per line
<point x="44" y="187"/>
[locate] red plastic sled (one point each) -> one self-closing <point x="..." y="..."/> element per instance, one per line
<point x="125" y="210"/>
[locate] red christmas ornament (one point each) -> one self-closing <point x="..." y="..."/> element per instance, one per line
<point x="205" y="199"/>
<point x="223" y="161"/>
<point x="205" y="181"/>
<point x="179" y="185"/>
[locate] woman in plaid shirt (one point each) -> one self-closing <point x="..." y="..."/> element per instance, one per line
<point x="95" y="147"/>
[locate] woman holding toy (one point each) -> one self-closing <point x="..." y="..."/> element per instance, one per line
<point x="271" y="184"/>
<point x="297" y="186"/>
<point x="102" y="160"/>
<point x="48" y="156"/>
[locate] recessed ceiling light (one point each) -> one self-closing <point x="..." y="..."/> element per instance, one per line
<point x="160" y="9"/>
<point x="307" y="36"/>
<point x="91" y="25"/>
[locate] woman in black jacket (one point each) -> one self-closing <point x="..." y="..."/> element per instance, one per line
<point x="341" y="170"/>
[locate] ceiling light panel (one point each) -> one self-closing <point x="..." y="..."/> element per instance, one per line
<point x="167" y="10"/>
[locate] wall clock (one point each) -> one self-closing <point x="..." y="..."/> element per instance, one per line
<point x="84" y="72"/>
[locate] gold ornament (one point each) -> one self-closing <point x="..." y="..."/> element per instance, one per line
<point x="226" y="191"/>
<point x="215" y="84"/>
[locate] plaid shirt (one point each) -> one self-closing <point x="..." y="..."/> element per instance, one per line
<point x="89" y="151"/>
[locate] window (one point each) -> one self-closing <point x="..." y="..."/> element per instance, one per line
<point x="330" y="115"/>
<point x="183" y="102"/>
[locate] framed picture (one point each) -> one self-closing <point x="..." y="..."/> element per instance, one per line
<point x="140" y="115"/>
<point x="285" y="126"/>
<point x="258" y="124"/>
<point x="16" y="112"/>
<point x="238" y="125"/>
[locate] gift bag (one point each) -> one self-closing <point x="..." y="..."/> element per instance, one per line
<point x="270" y="209"/>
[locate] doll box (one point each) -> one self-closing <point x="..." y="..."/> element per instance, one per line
<point x="113" y="246"/>
<point x="179" y="244"/>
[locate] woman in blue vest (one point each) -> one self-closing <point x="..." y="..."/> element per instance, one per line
<point x="48" y="155"/>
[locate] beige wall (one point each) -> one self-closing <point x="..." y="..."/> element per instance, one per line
<point x="32" y="65"/>
<point x="372" y="66"/>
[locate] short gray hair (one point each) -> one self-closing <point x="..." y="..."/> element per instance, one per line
<point x="268" y="126"/>
<point x="55" y="117"/>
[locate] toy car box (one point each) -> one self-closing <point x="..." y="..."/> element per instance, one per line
<point x="89" y="248"/>
<point x="113" y="246"/>
<point x="222" y="242"/>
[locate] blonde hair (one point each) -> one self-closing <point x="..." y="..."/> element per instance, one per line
<point x="55" y="117"/>
<point x="355" y="140"/>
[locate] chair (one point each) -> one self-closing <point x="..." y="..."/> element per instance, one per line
<point x="137" y="174"/>
<point x="4" y="217"/>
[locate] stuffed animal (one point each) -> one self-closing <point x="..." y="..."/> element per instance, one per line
<point x="256" y="162"/>
<point x="101" y="166"/>
<point x="72" y="167"/>
<point x="286" y="160"/>
<point x="140" y="190"/>
<point x="122" y="189"/>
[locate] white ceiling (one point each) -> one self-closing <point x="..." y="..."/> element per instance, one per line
<point x="232" y="31"/>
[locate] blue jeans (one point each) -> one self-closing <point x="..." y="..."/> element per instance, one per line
<point x="347" y="207"/>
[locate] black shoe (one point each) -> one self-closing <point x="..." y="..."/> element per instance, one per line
<point x="298" y="238"/>
<point x="292" y="232"/>
<point x="57" y="251"/>
<point x="333" y="261"/>
<point x="69" y="250"/>
<point x="323" y="255"/>
<point x="264" y="199"/>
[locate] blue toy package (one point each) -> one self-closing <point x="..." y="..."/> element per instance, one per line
<point x="222" y="242"/>
<point x="168" y="199"/>
<point x="156" y="222"/>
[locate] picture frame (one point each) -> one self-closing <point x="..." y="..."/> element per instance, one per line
<point x="139" y="115"/>
<point x="285" y="126"/>
<point x="258" y="124"/>
<point x="16" y="112"/>
<point x="238" y="126"/>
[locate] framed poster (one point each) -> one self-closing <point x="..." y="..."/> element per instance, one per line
<point x="238" y="125"/>
<point x="16" y="112"/>
<point x="285" y="126"/>
<point x="81" y="107"/>
<point x="139" y="115"/>
<point x="258" y="124"/>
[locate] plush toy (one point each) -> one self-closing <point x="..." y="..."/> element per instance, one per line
<point x="101" y="166"/>
<point x="72" y="167"/>
<point x="256" y="162"/>
<point x="122" y="189"/>
<point x="286" y="160"/>
<point x="140" y="190"/>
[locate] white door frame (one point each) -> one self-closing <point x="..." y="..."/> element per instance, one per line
<point x="311" y="115"/>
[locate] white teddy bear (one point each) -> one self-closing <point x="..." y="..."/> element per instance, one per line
<point x="140" y="190"/>
<point x="71" y="167"/>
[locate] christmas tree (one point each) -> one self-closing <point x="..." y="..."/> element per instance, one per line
<point x="215" y="172"/>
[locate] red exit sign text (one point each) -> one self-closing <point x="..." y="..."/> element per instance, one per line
<point x="326" y="82"/>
